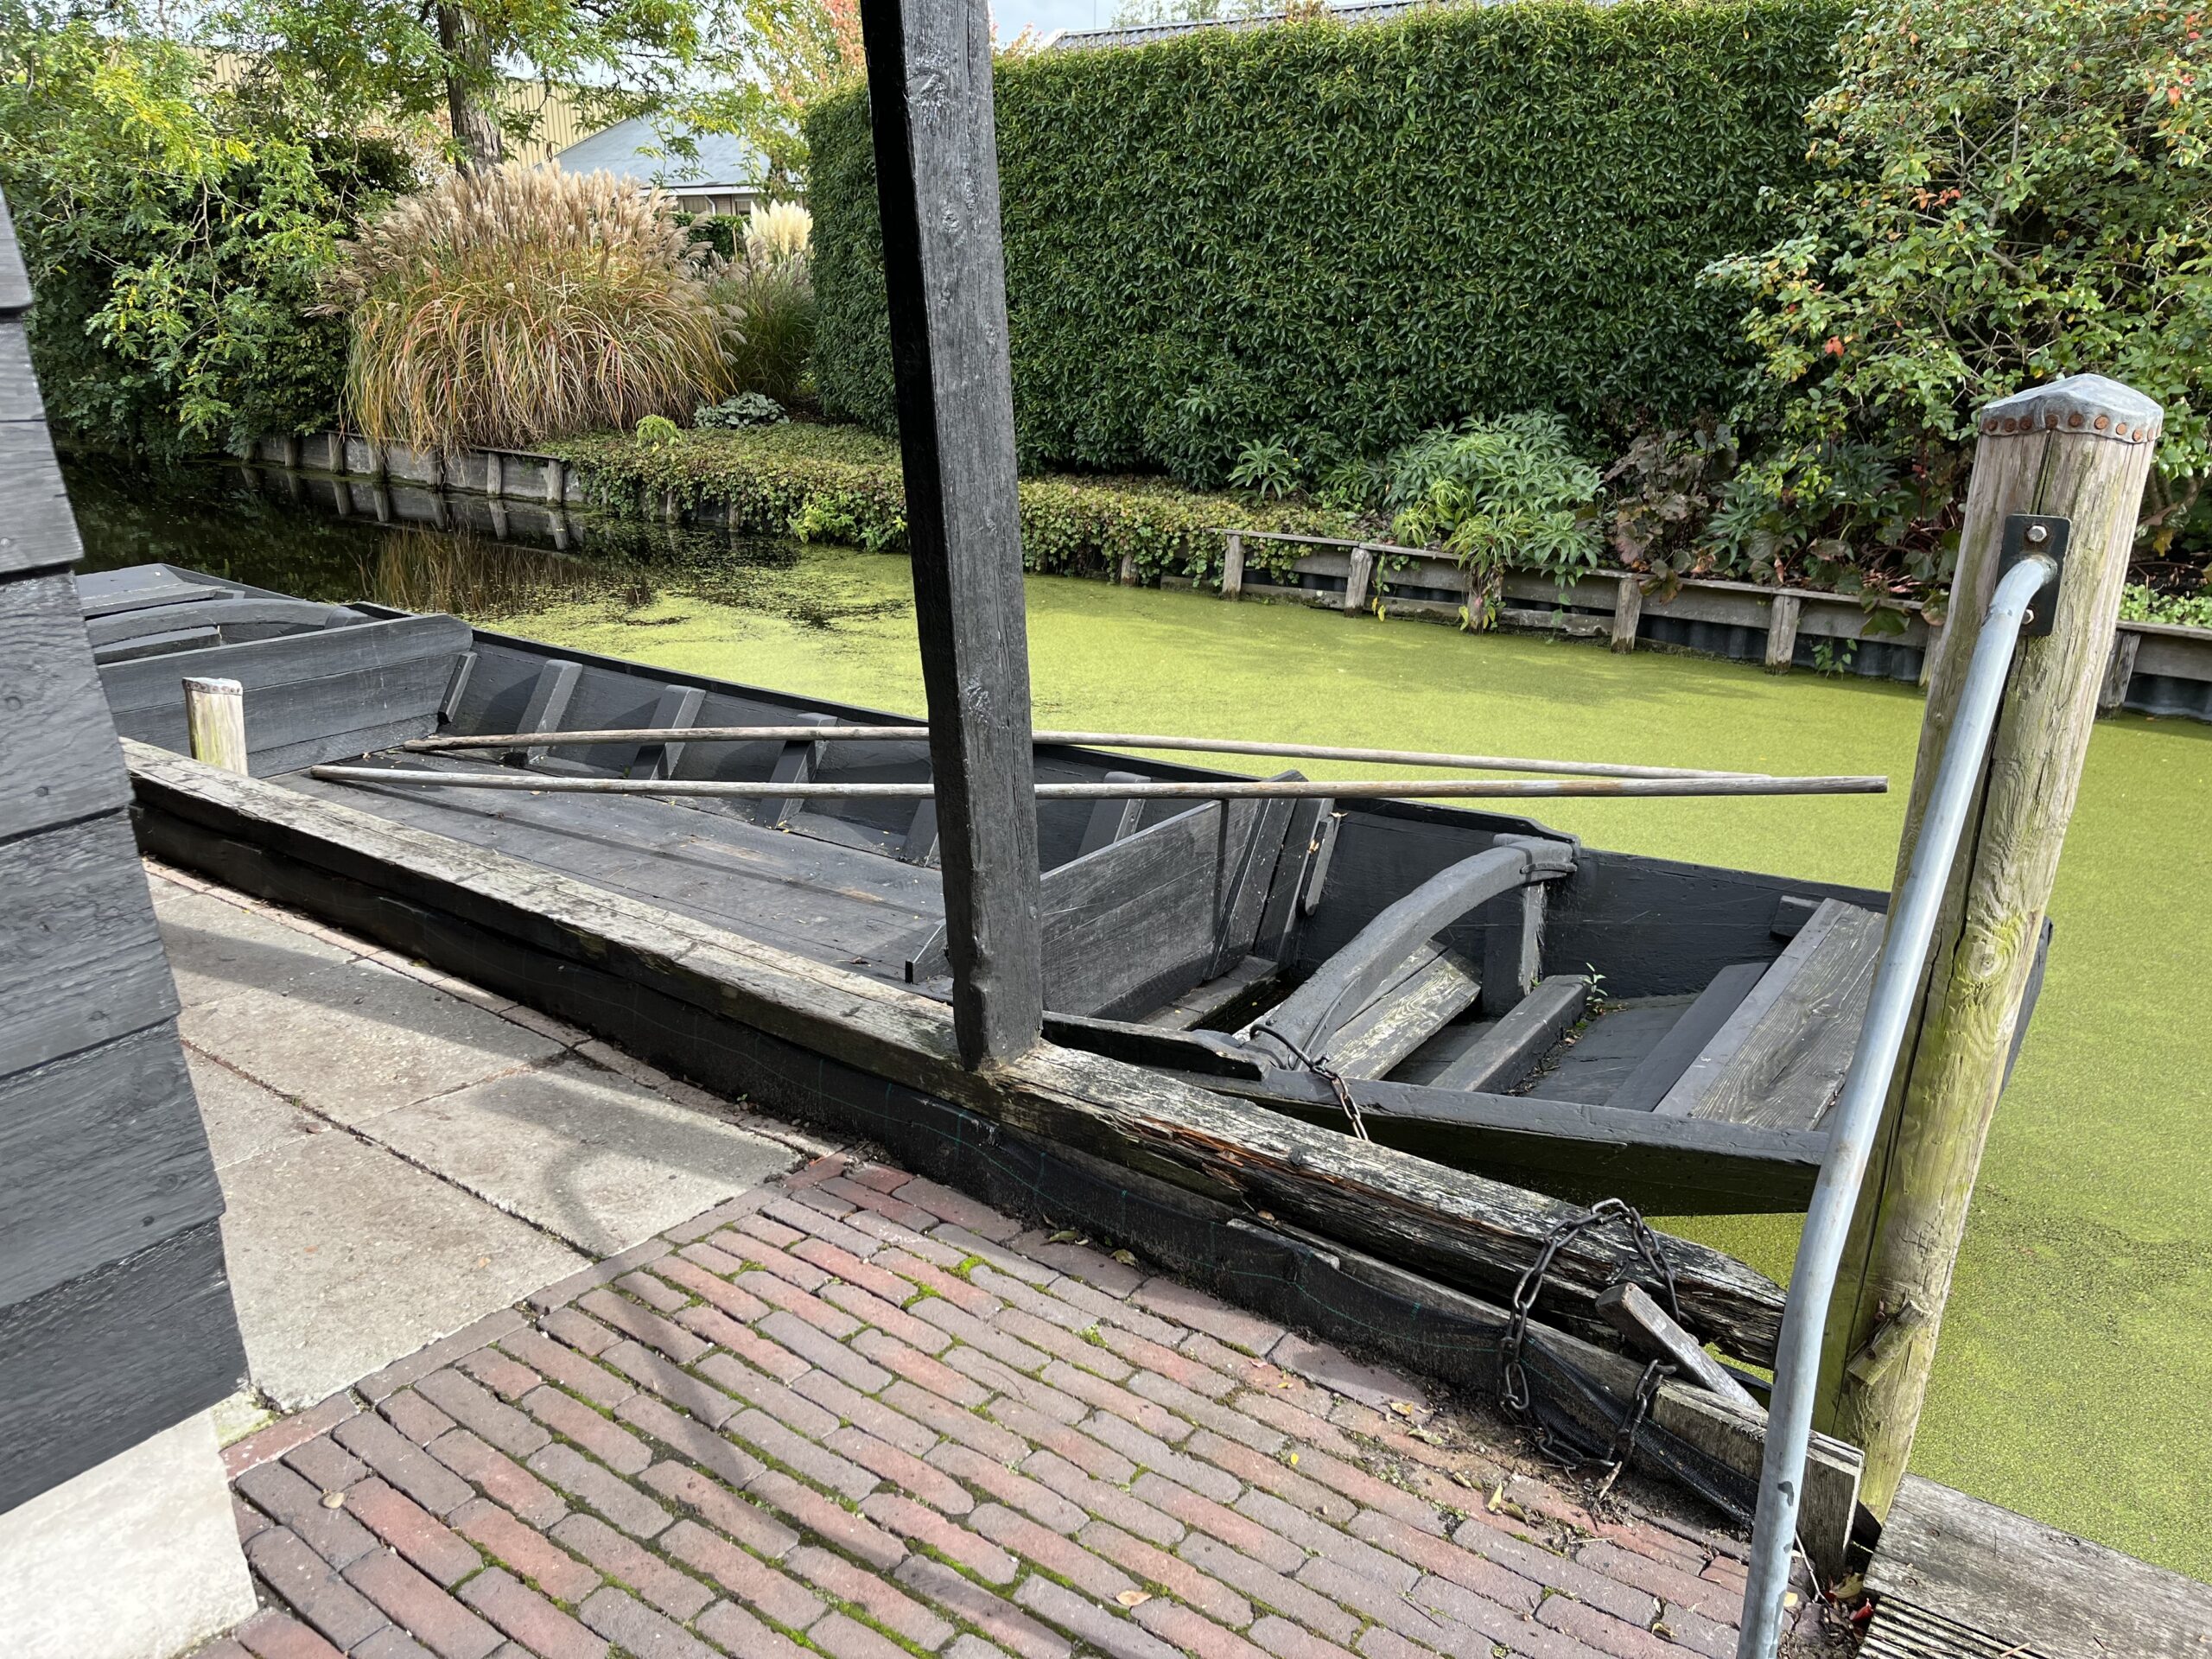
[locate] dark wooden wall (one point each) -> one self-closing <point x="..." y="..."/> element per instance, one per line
<point x="115" y="1310"/>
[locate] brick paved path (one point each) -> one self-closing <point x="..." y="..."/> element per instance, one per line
<point x="860" y="1415"/>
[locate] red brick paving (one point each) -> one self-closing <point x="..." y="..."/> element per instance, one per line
<point x="865" y="1416"/>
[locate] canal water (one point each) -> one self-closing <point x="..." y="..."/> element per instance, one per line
<point x="2077" y="1351"/>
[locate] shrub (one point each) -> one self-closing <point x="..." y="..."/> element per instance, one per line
<point x="501" y="308"/>
<point x="2003" y="192"/>
<point x="720" y="234"/>
<point x="747" y="409"/>
<point x="828" y="483"/>
<point x="1333" y="237"/>
<point x="1660" y="493"/>
<point x="768" y="296"/>
<point x="1494" y="494"/>
<point x="2138" y="603"/>
<point x="174" y="242"/>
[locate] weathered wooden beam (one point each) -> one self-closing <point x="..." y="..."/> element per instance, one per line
<point x="1306" y="1019"/>
<point x="1505" y="1054"/>
<point x="1114" y="818"/>
<point x="1430" y="989"/>
<point x="1512" y="954"/>
<point x="1628" y="1307"/>
<point x="1781" y="1053"/>
<point x="678" y="707"/>
<point x="2119" y="671"/>
<point x="1359" y="578"/>
<point x="1232" y="567"/>
<point x="1628" y="611"/>
<point x="929" y="71"/>
<point x="2078" y="450"/>
<point x="1467" y="1229"/>
<point x="549" y="703"/>
<point x="214" y="718"/>
<point x="1782" y="632"/>
<point x="1670" y="1166"/>
<point x="1673" y="1054"/>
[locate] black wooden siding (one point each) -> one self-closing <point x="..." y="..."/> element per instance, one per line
<point x="115" y="1310"/>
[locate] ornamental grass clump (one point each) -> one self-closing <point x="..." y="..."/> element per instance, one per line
<point x="767" y="296"/>
<point x="502" y="308"/>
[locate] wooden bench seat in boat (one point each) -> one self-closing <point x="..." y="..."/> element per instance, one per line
<point x="1779" y="1058"/>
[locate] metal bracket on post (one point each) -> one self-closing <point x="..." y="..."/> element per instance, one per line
<point x="2027" y="534"/>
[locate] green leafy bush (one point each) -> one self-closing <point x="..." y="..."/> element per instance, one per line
<point x="747" y="409"/>
<point x="1660" y="493"/>
<point x="2138" y="603"/>
<point x="2003" y="192"/>
<point x="174" y="242"/>
<point x="830" y="483"/>
<point x="720" y="234"/>
<point x="1500" y="494"/>
<point x="1334" y="238"/>
<point x="499" y="308"/>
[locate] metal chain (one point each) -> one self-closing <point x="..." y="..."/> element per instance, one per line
<point x="1513" y="1381"/>
<point x="1334" y="1079"/>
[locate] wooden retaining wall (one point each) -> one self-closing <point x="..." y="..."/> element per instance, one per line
<point x="2156" y="668"/>
<point x="115" y="1308"/>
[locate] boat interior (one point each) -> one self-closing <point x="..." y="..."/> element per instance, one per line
<point x="1425" y="974"/>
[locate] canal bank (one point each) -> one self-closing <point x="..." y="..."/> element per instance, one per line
<point x="2098" y="1136"/>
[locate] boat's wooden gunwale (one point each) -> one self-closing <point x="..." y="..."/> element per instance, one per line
<point x="1674" y="1165"/>
<point x="401" y="884"/>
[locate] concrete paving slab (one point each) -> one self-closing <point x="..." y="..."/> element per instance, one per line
<point x="243" y="1118"/>
<point x="343" y="1258"/>
<point x="594" y="1157"/>
<point x="217" y="950"/>
<point x="358" y="1040"/>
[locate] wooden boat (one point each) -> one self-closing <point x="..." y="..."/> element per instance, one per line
<point x="1476" y="989"/>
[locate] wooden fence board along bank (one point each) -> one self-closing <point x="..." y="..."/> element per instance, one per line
<point x="2156" y="668"/>
<point x="115" y="1309"/>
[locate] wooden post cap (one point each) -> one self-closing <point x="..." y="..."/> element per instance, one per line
<point x="2089" y="403"/>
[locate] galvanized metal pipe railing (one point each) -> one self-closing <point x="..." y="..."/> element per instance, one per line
<point x="1859" y="1111"/>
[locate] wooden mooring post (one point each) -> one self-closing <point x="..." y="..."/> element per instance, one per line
<point x="2058" y="469"/>
<point x="929" y="74"/>
<point x="214" y="719"/>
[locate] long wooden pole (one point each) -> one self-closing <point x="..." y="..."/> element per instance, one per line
<point x="1172" y="789"/>
<point x="929" y="75"/>
<point x="1092" y="740"/>
<point x="2077" y="450"/>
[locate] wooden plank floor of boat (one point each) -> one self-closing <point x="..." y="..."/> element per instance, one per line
<point x="817" y="899"/>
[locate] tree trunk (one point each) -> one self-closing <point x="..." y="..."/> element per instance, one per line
<point x="469" y="76"/>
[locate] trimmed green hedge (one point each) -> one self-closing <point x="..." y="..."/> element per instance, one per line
<point x="841" y="483"/>
<point x="1335" y="236"/>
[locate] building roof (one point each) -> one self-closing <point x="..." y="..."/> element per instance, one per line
<point x="626" y="150"/>
<point x="1357" y="11"/>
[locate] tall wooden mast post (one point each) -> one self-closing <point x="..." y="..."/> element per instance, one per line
<point x="929" y="72"/>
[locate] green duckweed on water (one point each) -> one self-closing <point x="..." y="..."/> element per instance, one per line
<point x="2076" y="1354"/>
<point x="2077" y="1350"/>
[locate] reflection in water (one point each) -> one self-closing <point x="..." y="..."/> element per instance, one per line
<point x="417" y="569"/>
<point x="417" y="549"/>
